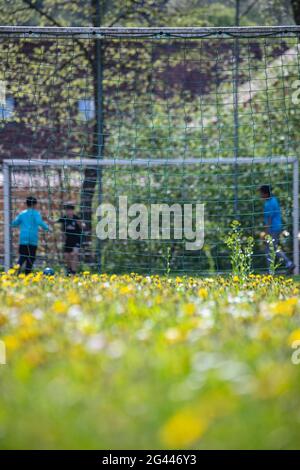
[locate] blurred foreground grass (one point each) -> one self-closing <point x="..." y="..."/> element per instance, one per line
<point x="100" y="361"/>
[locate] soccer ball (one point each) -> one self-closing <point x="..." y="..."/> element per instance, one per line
<point x="48" y="272"/>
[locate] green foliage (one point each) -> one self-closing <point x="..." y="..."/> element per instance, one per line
<point x="215" y="14"/>
<point x="144" y="12"/>
<point x="241" y="251"/>
<point x="272" y="255"/>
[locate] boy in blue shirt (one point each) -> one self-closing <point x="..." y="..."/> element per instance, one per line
<point x="29" y="221"/>
<point x="273" y="226"/>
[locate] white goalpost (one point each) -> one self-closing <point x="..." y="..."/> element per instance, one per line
<point x="82" y="164"/>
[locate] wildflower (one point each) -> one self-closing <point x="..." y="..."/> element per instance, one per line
<point x="173" y="335"/>
<point x="11" y="342"/>
<point x="294" y="336"/>
<point x="285" y="307"/>
<point x="28" y="333"/>
<point x="203" y="293"/>
<point x="60" y="307"/>
<point x="27" y="319"/>
<point x="95" y="343"/>
<point x="73" y="297"/>
<point x="183" y="429"/>
<point x="126" y="289"/>
<point x="3" y="319"/>
<point x="189" y="309"/>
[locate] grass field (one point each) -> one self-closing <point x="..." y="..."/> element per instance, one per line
<point x="99" y="361"/>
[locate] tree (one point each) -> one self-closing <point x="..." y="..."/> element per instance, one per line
<point x="295" y="4"/>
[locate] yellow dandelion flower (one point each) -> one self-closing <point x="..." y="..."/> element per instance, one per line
<point x="285" y="307"/>
<point x="28" y="333"/>
<point x="189" y="309"/>
<point x="126" y="289"/>
<point x="27" y="319"/>
<point x="11" y="342"/>
<point x="294" y="336"/>
<point x="3" y="319"/>
<point x="73" y="297"/>
<point x="60" y="307"/>
<point x="203" y="293"/>
<point x="183" y="429"/>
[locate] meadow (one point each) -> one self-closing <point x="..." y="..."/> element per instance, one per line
<point x="131" y="361"/>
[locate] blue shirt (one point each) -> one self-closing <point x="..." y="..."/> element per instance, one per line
<point x="29" y="222"/>
<point x="272" y="214"/>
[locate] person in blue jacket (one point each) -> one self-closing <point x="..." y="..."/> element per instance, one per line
<point x="29" y="221"/>
<point x="273" y="226"/>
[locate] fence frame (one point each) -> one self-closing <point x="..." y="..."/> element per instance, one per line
<point x="119" y="32"/>
<point x="96" y="163"/>
<point x="155" y="33"/>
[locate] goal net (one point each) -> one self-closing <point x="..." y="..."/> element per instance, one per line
<point x="157" y="116"/>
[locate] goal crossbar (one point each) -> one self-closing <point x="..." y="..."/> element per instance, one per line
<point x="96" y="163"/>
<point x="132" y="32"/>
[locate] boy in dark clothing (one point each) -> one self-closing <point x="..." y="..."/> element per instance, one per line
<point x="72" y="229"/>
<point x="29" y="222"/>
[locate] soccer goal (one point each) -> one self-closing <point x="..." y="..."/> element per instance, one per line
<point x="59" y="181"/>
<point x="162" y="117"/>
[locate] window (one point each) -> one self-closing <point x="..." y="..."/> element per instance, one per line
<point x="7" y="108"/>
<point x="86" y="109"/>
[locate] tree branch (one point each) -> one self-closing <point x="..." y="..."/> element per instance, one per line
<point x="295" y="4"/>
<point x="249" y="8"/>
<point x="36" y="8"/>
<point x="44" y="14"/>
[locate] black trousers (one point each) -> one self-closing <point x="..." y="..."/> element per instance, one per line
<point x="27" y="255"/>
